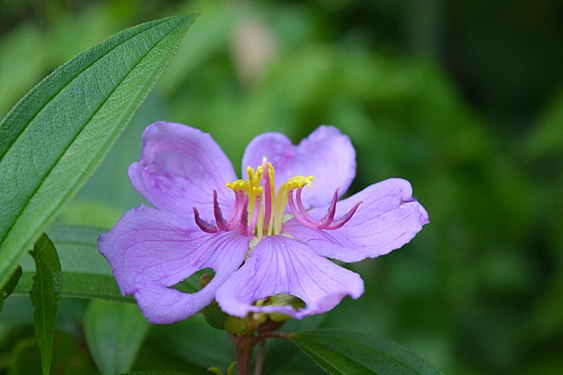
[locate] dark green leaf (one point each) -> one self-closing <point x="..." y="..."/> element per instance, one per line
<point x="155" y="373"/>
<point x="10" y="285"/>
<point x="281" y="353"/>
<point x="86" y="272"/>
<point x="191" y="341"/>
<point x="348" y="353"/>
<point x="114" y="332"/>
<point x="53" y="139"/>
<point x="12" y="281"/>
<point x="69" y="358"/>
<point x="81" y="285"/>
<point x="45" y="292"/>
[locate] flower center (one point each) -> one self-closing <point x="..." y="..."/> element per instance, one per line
<point x="260" y="210"/>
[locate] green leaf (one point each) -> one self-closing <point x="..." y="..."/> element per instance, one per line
<point x="86" y="272"/>
<point x="47" y="285"/>
<point x="155" y="373"/>
<point x="82" y="285"/>
<point x="344" y="352"/>
<point x="10" y="286"/>
<point x="12" y="282"/>
<point x="54" y="138"/>
<point x="69" y="358"/>
<point x="191" y="341"/>
<point x="114" y="333"/>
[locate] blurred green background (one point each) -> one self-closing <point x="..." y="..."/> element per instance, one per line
<point x="463" y="98"/>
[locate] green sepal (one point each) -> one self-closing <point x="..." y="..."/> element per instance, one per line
<point x="214" y="316"/>
<point x="240" y="326"/>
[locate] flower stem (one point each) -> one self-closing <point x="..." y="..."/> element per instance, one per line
<point x="244" y="347"/>
<point x="260" y="357"/>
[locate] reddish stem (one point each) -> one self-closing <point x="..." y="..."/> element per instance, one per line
<point x="244" y="346"/>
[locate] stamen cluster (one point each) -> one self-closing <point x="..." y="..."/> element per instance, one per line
<point x="259" y="210"/>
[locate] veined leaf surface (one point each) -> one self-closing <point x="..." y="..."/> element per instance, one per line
<point x="348" y="353"/>
<point x="45" y="293"/>
<point x="86" y="272"/>
<point x="54" y="137"/>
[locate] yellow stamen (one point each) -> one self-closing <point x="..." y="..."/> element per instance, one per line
<point x="253" y="188"/>
<point x="299" y="181"/>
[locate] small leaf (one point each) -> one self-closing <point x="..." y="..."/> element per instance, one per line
<point x="215" y="371"/>
<point x="10" y="286"/>
<point x="231" y="369"/>
<point x="12" y="282"/>
<point x="114" y="333"/>
<point x="47" y="285"/>
<point x="86" y="272"/>
<point x="55" y="137"/>
<point x="345" y="353"/>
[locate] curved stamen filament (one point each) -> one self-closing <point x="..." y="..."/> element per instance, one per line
<point x="219" y="219"/>
<point x="298" y="214"/>
<point x="244" y="219"/>
<point x="344" y="218"/>
<point x="301" y="207"/>
<point x="328" y="222"/>
<point x="204" y="225"/>
<point x="235" y="213"/>
<point x="259" y="210"/>
<point x="331" y="211"/>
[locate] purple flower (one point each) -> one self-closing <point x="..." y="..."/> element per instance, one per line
<point x="269" y="233"/>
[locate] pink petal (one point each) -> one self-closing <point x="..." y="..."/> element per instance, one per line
<point x="179" y="168"/>
<point x="280" y="265"/>
<point x="326" y="154"/>
<point x="150" y="250"/>
<point x="388" y="218"/>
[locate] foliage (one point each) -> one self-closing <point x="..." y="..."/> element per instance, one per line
<point x="45" y="293"/>
<point x="70" y="108"/>
<point x="343" y="352"/>
<point x="459" y="107"/>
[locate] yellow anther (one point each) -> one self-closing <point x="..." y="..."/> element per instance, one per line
<point x="254" y="176"/>
<point x="238" y="185"/>
<point x="299" y="181"/>
<point x="250" y="173"/>
<point x="274" y="204"/>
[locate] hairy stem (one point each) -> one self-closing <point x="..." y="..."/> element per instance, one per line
<point x="260" y="357"/>
<point x="244" y="347"/>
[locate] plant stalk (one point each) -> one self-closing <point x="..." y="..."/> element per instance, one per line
<point x="244" y="347"/>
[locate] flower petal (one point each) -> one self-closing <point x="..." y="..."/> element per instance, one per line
<point x="326" y="154"/>
<point x="180" y="167"/>
<point x="388" y="218"/>
<point x="150" y="250"/>
<point x="280" y="265"/>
